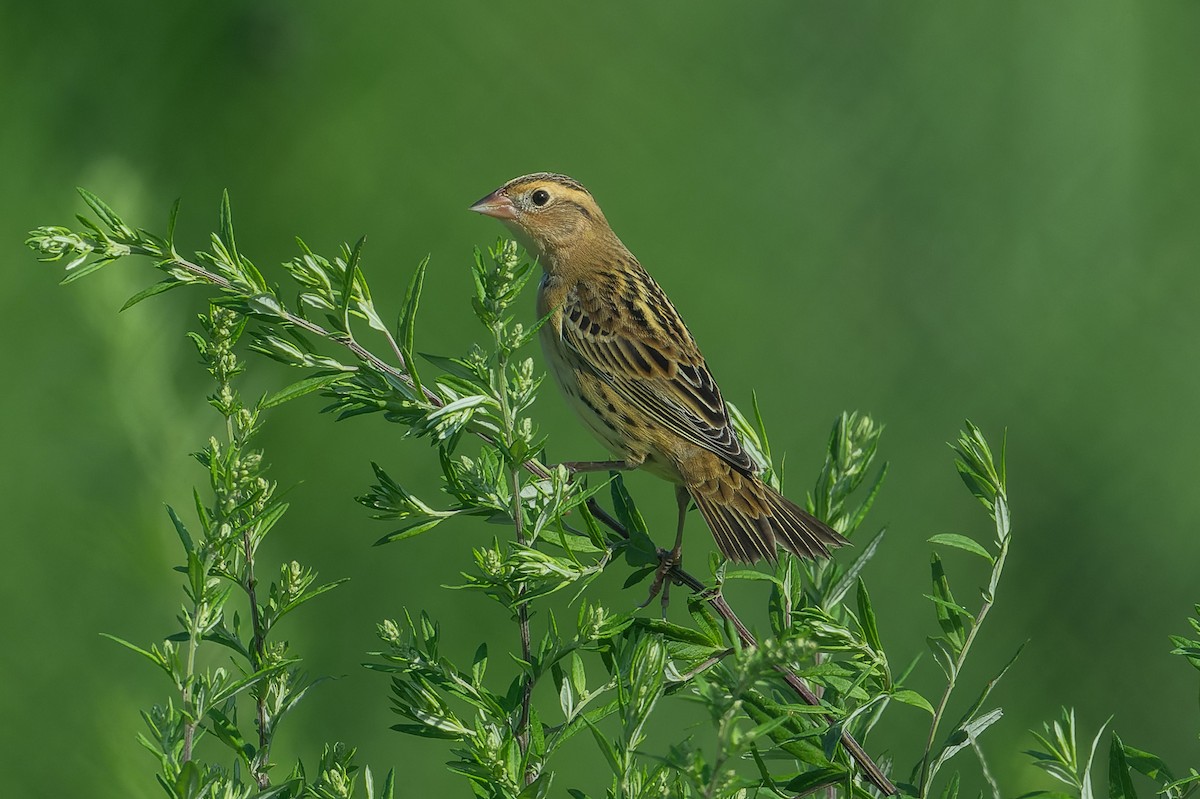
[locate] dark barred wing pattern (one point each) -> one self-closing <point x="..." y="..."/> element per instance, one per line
<point x="646" y="355"/>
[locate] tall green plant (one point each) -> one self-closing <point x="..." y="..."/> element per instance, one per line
<point x="228" y="609"/>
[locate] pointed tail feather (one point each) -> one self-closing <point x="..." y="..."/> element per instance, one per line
<point x="749" y="524"/>
<point x="798" y="531"/>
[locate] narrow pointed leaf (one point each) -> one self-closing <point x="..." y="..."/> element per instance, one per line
<point x="150" y="291"/>
<point x="962" y="542"/>
<point x="1120" y="783"/>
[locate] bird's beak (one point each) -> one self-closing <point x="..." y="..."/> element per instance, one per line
<point x="496" y="205"/>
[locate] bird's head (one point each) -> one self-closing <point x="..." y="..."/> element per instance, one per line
<point x="549" y="213"/>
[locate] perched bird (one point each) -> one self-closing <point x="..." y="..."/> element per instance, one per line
<point x="632" y="371"/>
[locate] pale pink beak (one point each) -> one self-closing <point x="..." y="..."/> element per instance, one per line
<point x="495" y="205"/>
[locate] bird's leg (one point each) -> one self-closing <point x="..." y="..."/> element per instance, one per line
<point x="583" y="467"/>
<point x="671" y="559"/>
<point x="579" y="467"/>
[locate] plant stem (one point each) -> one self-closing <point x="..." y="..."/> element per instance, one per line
<point x="988" y="600"/>
<point x="518" y="515"/>
<point x="258" y="645"/>
<point x="189" y="727"/>
<point x="523" y="623"/>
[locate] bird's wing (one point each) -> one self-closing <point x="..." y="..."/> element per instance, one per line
<point x="624" y="330"/>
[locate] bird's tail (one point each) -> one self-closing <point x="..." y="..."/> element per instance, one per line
<point x="750" y="519"/>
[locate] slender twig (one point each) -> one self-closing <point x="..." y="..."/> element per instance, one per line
<point x="258" y="644"/>
<point x="518" y="514"/>
<point x="715" y="599"/>
<point x="952" y="677"/>
<point x="189" y="725"/>
<point x="523" y="623"/>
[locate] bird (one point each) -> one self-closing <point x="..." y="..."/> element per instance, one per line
<point x="633" y="372"/>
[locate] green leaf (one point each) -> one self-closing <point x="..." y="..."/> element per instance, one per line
<point x="977" y="705"/>
<point x="1150" y="765"/>
<point x="301" y="387"/>
<point x="181" y="530"/>
<point x="675" y="632"/>
<point x="944" y="654"/>
<point x="950" y="607"/>
<point x="1120" y="784"/>
<point x="868" y="502"/>
<point x="158" y="288"/>
<point x="763" y="441"/>
<point x="406" y="327"/>
<point x="352" y="277"/>
<point x="605" y="746"/>
<point x="866" y="618"/>
<point x="289" y="789"/>
<point x="839" y="591"/>
<point x="912" y="698"/>
<point x="706" y="620"/>
<point x="76" y="273"/>
<point x="537" y="735"/>
<point x="413" y="528"/>
<point x="250" y="680"/>
<point x="641" y="549"/>
<point x="949" y="613"/>
<point x="812" y="781"/>
<point x="539" y="788"/>
<point x="312" y="593"/>
<point x="459" y="368"/>
<point x="577" y="675"/>
<point x="153" y="657"/>
<point x="479" y="664"/>
<point x="228" y="733"/>
<point x="977" y="468"/>
<point x="751" y="575"/>
<point x="962" y="542"/>
<point x="226" y="225"/>
<point x="1085" y="792"/>
<point x="951" y="789"/>
<point x="625" y="508"/>
<point x="528" y="335"/>
<point x="107" y="215"/>
<point x="462" y="404"/>
<point x="588" y="720"/>
<point x="187" y="783"/>
<point x="389" y="785"/>
<point x="637" y="575"/>
<point x="962" y="737"/>
<point x="171" y="219"/>
<point x="423" y="731"/>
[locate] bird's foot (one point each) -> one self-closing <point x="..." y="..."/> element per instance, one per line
<point x="667" y="559"/>
<point x="582" y="467"/>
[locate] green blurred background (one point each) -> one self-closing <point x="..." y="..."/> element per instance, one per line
<point x="925" y="211"/>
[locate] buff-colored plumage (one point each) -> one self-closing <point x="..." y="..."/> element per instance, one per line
<point x="631" y="369"/>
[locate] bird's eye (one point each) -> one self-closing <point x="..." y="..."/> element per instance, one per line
<point x="540" y="197"/>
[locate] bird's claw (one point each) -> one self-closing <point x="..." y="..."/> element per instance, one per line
<point x="668" y="559"/>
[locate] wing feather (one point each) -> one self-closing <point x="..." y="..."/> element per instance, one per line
<point x="624" y="330"/>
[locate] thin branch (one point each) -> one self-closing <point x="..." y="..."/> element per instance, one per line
<point x="189" y="724"/>
<point x="259" y="645"/>
<point x="988" y="600"/>
<point x="523" y="623"/>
